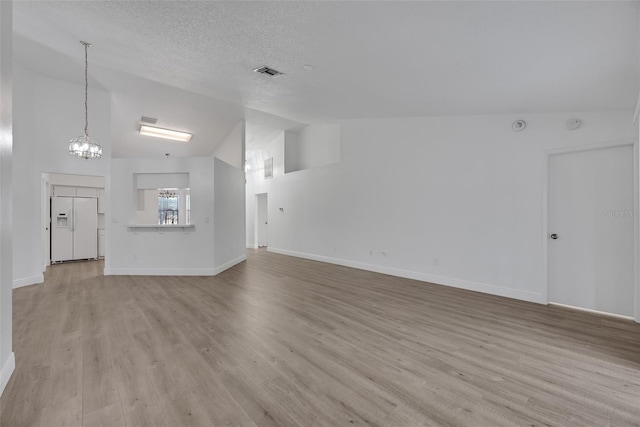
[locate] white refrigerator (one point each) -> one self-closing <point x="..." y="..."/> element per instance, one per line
<point x="74" y="228"/>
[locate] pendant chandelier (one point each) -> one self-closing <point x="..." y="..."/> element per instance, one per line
<point x="85" y="146"/>
<point x="167" y="193"/>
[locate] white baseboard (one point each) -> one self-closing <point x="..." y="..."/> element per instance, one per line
<point x="252" y="246"/>
<point x="423" y="277"/>
<point x="228" y="265"/>
<point x="7" y="369"/>
<point x="159" y="272"/>
<point x="26" y="281"/>
<point x="588" y="310"/>
<point x="173" y="271"/>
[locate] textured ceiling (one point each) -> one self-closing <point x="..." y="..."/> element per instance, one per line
<point x="370" y="59"/>
<point x="208" y="118"/>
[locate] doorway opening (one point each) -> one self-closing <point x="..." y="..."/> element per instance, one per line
<point x="73" y="217"/>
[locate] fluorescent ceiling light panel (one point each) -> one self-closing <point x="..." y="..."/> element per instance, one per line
<point x="175" y="135"/>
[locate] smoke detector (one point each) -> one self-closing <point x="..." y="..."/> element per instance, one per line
<point x="519" y="125"/>
<point x="269" y="71"/>
<point x="573" y="124"/>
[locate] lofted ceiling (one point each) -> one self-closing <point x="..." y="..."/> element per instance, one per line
<point x="209" y="119"/>
<point x="369" y="59"/>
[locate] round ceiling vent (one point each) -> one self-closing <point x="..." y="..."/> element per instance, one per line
<point x="573" y="124"/>
<point x="519" y="125"/>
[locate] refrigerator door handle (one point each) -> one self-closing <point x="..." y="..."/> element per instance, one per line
<point x="73" y="219"/>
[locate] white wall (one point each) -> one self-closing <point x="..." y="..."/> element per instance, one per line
<point x="319" y="145"/>
<point x="229" y="214"/>
<point x="636" y="206"/>
<point x="231" y="150"/>
<point x="7" y="359"/>
<point x="168" y="251"/>
<point x="451" y="200"/>
<point x="291" y="151"/>
<point x="76" y="180"/>
<point x="215" y="243"/>
<point x="47" y="114"/>
<point x="274" y="150"/>
<point x="27" y="269"/>
<point x="148" y="200"/>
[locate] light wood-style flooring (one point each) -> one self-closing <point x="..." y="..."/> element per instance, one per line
<point x="280" y="341"/>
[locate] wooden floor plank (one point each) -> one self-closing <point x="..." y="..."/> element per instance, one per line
<point x="281" y="341"/>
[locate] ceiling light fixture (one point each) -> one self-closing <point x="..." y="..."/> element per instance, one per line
<point x="84" y="146"/>
<point x="156" y="132"/>
<point x="167" y="193"/>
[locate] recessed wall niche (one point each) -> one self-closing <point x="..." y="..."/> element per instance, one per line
<point x="313" y="146"/>
<point x="162" y="199"/>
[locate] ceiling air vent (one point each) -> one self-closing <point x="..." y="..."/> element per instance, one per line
<point x="268" y="71"/>
<point x="149" y="120"/>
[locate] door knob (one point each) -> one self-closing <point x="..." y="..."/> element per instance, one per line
<point x="554" y="236"/>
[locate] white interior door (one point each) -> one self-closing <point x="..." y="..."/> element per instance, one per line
<point x="61" y="229"/>
<point x="262" y="219"/>
<point x="85" y="227"/>
<point x="591" y="223"/>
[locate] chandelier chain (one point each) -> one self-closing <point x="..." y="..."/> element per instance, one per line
<point x="86" y="88"/>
